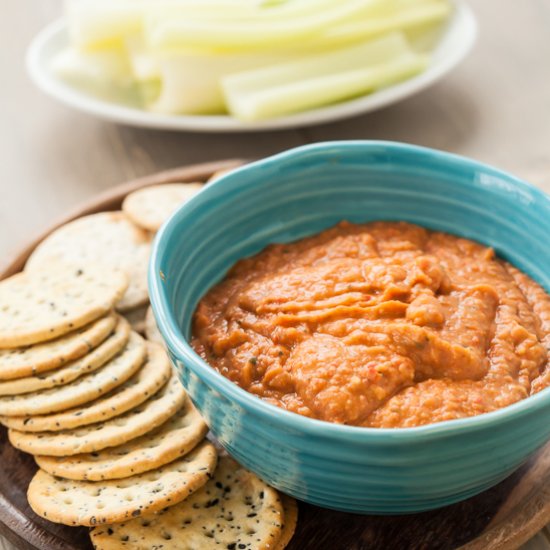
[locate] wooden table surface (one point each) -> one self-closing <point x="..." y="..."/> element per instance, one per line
<point x="495" y="107"/>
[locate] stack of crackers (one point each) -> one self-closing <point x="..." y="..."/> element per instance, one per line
<point x="118" y="443"/>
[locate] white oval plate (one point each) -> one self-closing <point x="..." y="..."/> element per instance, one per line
<point x="455" y="43"/>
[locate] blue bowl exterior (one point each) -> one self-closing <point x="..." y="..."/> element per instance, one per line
<point x="301" y="192"/>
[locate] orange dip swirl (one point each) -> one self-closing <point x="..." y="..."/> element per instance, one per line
<point x="383" y="325"/>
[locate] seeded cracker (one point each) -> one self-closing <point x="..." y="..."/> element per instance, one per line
<point x="89" y="363"/>
<point x="116" y="431"/>
<point x="136" y="318"/>
<point x="56" y="299"/>
<point x="173" y="439"/>
<point x="82" y="390"/>
<point x="151" y="206"/>
<point x="107" y="239"/>
<point x="38" y="358"/>
<point x="219" y="174"/>
<point x="146" y="382"/>
<point x="151" y="330"/>
<point x="98" y="502"/>
<point x="234" y="508"/>
<point x="290" y="520"/>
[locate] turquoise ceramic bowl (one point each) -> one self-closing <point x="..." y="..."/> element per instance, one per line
<point x="299" y="193"/>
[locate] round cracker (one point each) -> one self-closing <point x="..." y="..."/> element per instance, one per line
<point x="290" y="508"/>
<point x="217" y="175"/>
<point x="55" y="300"/>
<point x="108" y="239"/>
<point x="152" y="332"/>
<point x="234" y="508"/>
<point x="116" y="431"/>
<point x="89" y="363"/>
<point x="136" y="318"/>
<point x="146" y="382"/>
<point x="32" y="360"/>
<point x="83" y="389"/>
<point x="173" y="439"/>
<point x="98" y="502"/>
<point x="150" y="207"/>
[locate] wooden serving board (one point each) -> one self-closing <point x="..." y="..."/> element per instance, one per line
<point x="502" y="518"/>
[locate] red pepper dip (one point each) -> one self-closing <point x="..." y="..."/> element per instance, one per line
<point x="382" y="325"/>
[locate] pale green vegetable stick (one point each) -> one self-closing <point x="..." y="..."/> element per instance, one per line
<point x="319" y="80"/>
<point x="358" y="56"/>
<point x="103" y="72"/>
<point x="317" y="92"/>
<point x="191" y="82"/>
<point x="144" y="63"/>
<point x="99" y="23"/>
<point x="215" y="33"/>
<point x="251" y="11"/>
<point x="406" y="18"/>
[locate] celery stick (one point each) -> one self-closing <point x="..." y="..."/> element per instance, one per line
<point x="249" y="11"/>
<point x="147" y="92"/>
<point x="191" y="82"/>
<point x="307" y="94"/>
<point x="145" y="63"/>
<point x="316" y="92"/>
<point x="226" y="9"/>
<point x="370" y="27"/>
<point x="109" y="67"/>
<point x="95" y="24"/>
<point x="216" y="33"/>
<point x="105" y="74"/>
<point x="358" y="56"/>
<point x="424" y="38"/>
